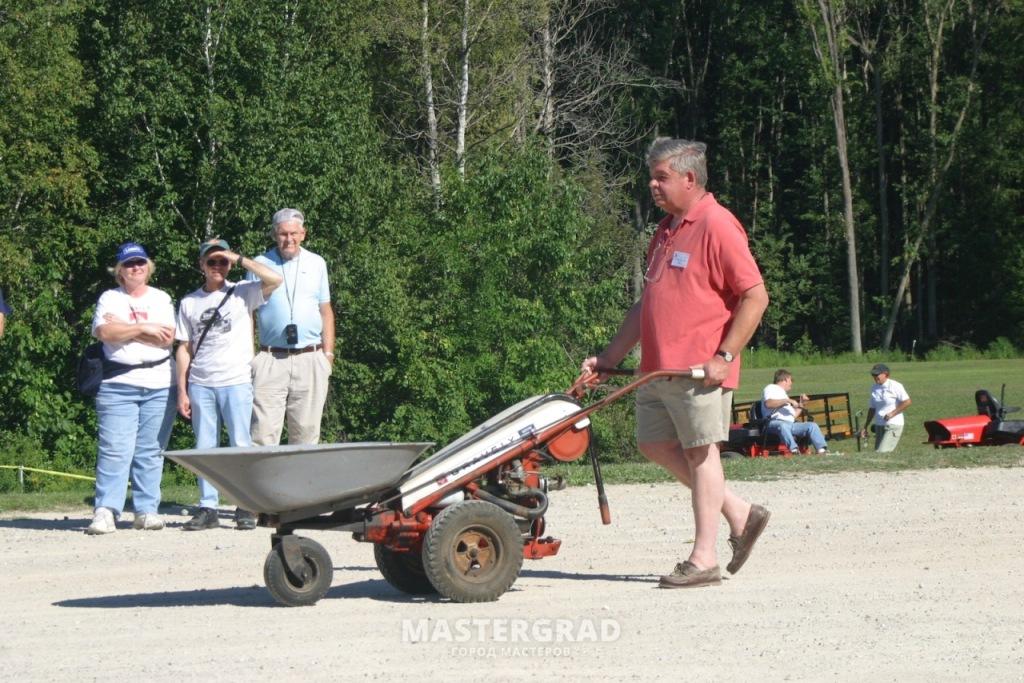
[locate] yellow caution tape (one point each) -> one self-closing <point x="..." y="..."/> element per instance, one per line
<point x="59" y="474"/>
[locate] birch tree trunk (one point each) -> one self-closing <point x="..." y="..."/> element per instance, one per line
<point x="460" y="136"/>
<point x="835" y="73"/>
<point x="211" y="42"/>
<point x="428" y="88"/>
<point x="869" y="40"/>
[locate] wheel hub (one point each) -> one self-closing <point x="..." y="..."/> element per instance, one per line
<point x="474" y="553"/>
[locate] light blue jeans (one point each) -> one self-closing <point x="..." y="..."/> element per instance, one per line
<point x="789" y="432"/>
<point x="135" y="424"/>
<point x="215" y="406"/>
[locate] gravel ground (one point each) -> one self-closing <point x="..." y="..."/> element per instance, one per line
<point x="898" y="576"/>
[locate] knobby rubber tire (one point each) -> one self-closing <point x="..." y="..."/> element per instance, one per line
<point x="403" y="571"/>
<point x="288" y="589"/>
<point x="473" y="552"/>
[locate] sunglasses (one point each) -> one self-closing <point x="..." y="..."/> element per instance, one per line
<point x="217" y="262"/>
<point x="134" y="263"/>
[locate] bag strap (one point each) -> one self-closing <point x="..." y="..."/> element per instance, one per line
<point x="209" y="323"/>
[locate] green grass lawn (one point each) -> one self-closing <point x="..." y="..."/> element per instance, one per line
<point x="938" y="389"/>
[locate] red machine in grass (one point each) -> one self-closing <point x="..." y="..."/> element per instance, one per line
<point x="989" y="427"/>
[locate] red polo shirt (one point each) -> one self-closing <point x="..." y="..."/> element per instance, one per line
<point x="695" y="276"/>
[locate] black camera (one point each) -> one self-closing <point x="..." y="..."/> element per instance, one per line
<point x="291" y="333"/>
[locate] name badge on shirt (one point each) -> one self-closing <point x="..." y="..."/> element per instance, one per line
<point x="680" y="259"/>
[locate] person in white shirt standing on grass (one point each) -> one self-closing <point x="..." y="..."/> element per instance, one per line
<point x="888" y="401"/>
<point x="215" y="331"/>
<point x="783" y="412"/>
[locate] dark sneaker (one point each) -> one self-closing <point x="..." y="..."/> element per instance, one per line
<point x="245" y="520"/>
<point x="206" y="518"/>
<point x="686" y="575"/>
<point x="742" y="544"/>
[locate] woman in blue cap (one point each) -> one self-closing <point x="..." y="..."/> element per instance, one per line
<point x="135" y="405"/>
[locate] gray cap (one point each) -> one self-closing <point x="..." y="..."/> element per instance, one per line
<point x="879" y="369"/>
<point x="210" y="245"/>
<point x="285" y="215"/>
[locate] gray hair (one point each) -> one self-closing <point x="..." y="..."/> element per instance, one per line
<point x="285" y="215"/>
<point x="683" y="155"/>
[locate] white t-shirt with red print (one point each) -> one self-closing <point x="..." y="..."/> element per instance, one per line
<point x="154" y="306"/>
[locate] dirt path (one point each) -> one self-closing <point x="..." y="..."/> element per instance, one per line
<point x="914" y="576"/>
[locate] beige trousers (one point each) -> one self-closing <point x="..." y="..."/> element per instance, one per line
<point x="886" y="437"/>
<point x="292" y="388"/>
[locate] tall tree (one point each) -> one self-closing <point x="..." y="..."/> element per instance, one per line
<point x="828" y="30"/>
<point x="50" y="245"/>
<point x="939" y="17"/>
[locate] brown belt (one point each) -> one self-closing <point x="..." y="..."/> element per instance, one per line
<point x="292" y="352"/>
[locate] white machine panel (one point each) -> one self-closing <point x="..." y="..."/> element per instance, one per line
<point x="485" y="443"/>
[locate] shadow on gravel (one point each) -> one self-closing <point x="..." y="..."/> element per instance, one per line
<point x="258" y="596"/>
<point x="248" y="596"/>
<point x="66" y="524"/>
<point x="174" y="514"/>
<point x="576" y="576"/>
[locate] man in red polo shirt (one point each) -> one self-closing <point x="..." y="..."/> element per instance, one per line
<point x="703" y="298"/>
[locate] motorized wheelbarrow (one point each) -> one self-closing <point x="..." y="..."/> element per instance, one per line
<point x="459" y="523"/>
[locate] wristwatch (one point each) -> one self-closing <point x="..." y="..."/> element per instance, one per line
<point x="725" y="354"/>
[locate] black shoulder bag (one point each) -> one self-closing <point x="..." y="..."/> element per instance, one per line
<point x="94" y="367"/>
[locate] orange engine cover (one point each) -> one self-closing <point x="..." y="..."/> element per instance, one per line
<point x="570" y="445"/>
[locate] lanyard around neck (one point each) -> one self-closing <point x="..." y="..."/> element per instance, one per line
<point x="289" y="293"/>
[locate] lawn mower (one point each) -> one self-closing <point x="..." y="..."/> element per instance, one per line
<point x="458" y="524"/>
<point x="749" y="434"/>
<point x="989" y="427"/>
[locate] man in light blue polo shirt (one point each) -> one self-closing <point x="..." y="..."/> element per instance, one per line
<point x="296" y="339"/>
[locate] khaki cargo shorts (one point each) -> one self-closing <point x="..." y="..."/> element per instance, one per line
<point x="683" y="410"/>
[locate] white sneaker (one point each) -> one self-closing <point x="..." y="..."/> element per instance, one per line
<point x="148" y="521"/>
<point x="102" y="523"/>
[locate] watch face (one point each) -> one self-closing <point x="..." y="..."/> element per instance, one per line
<point x="726" y="355"/>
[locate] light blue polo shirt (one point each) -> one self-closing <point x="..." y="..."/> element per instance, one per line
<point x="297" y="300"/>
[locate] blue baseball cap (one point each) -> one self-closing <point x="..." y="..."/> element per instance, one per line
<point x="130" y="250"/>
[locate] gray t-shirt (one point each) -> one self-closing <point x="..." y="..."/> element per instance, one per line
<point x="224" y="356"/>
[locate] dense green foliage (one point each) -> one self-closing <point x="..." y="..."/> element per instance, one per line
<point x="476" y="262"/>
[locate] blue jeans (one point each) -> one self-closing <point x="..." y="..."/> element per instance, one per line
<point x="789" y="432"/>
<point x="135" y="424"/>
<point x="211" y="408"/>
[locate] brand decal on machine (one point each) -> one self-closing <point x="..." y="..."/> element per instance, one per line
<point x="475" y="461"/>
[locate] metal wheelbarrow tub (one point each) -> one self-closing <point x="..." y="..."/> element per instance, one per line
<point x="308" y="479"/>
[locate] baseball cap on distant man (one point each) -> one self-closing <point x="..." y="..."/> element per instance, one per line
<point x="879" y="369"/>
<point x="285" y="215"/>
<point x="210" y="245"/>
<point x="130" y="250"/>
